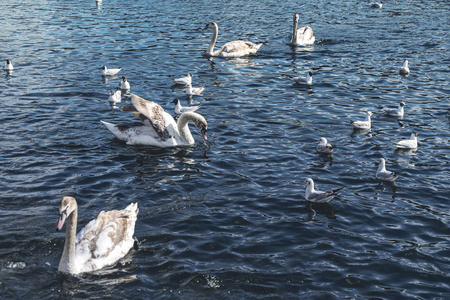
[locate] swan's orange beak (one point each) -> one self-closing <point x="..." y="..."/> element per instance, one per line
<point x="203" y="131"/>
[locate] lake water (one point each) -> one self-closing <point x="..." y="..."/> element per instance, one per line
<point x="227" y="218"/>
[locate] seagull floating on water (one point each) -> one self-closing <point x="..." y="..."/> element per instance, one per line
<point x="191" y="91"/>
<point x="124" y="84"/>
<point x="115" y="97"/>
<point x="323" y="146"/>
<point x="318" y="196"/>
<point x="184" y="80"/>
<point x="179" y="109"/>
<point x="395" y="112"/>
<point x="410" y="143"/>
<point x="304" y="80"/>
<point x="384" y="174"/>
<point x="302" y="36"/>
<point x="230" y="49"/>
<point x="405" y="69"/>
<point x="363" y="124"/>
<point x="377" y="4"/>
<point x="8" y="65"/>
<point x="110" y="72"/>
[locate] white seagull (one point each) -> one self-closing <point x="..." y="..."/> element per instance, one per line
<point x="323" y="146"/>
<point x="179" y="109"/>
<point x="395" y="112"/>
<point x="230" y="49"/>
<point x="302" y="36"/>
<point x="191" y="91"/>
<point x="158" y="128"/>
<point x="384" y="174"/>
<point x="377" y="4"/>
<point x="102" y="242"/>
<point x="115" y="97"/>
<point x="405" y="69"/>
<point x="8" y="65"/>
<point x="318" y="196"/>
<point x="411" y="143"/>
<point x="124" y="84"/>
<point x="304" y="80"/>
<point x="184" y="80"/>
<point x="110" y="72"/>
<point x="366" y="124"/>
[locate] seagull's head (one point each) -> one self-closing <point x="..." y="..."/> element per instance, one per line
<point x="175" y="101"/>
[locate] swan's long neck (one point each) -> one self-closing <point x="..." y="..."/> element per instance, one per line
<point x="294" y="32"/>
<point x="183" y="128"/>
<point x="67" y="262"/>
<point x="210" y="50"/>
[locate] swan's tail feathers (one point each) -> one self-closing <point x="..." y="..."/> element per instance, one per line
<point x="115" y="131"/>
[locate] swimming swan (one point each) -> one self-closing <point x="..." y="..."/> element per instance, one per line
<point x="102" y="242"/>
<point x="302" y="36"/>
<point x="230" y="49"/>
<point x="157" y="128"/>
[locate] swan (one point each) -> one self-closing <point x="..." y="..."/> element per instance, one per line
<point x="411" y="143"/>
<point x="363" y="124"/>
<point x="377" y="4"/>
<point x="124" y="84"/>
<point x="110" y="72"/>
<point x="398" y="112"/>
<point x="230" y="49"/>
<point x="115" y="97"/>
<point x="405" y="69"/>
<point x="180" y="109"/>
<point x="102" y="242"/>
<point x="318" y="196"/>
<point x="191" y="91"/>
<point x="8" y="65"/>
<point x="184" y="80"/>
<point x="323" y="146"/>
<point x="158" y="128"/>
<point x="302" y="36"/>
<point x="304" y="80"/>
<point x="384" y="174"/>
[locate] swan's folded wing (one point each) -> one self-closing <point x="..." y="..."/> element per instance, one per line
<point x="154" y="113"/>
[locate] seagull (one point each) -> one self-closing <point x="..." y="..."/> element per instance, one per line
<point x="124" y="84"/>
<point x="377" y="4"/>
<point x="318" y="196"/>
<point x="8" y="65"/>
<point x="384" y="174"/>
<point x="405" y="69"/>
<point x="194" y="91"/>
<point x="408" y="144"/>
<point x="115" y="97"/>
<point x="362" y="124"/>
<point x="179" y="109"/>
<point x="110" y="72"/>
<point x="305" y="80"/>
<point x="395" y="112"/>
<point x="184" y="80"/>
<point x="323" y="146"/>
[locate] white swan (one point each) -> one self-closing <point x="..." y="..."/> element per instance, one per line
<point x="158" y="128"/>
<point x="110" y="72"/>
<point x="323" y="146"/>
<point x="405" y="69"/>
<point x="384" y="174"/>
<point x="304" y="80"/>
<point x="366" y="124"/>
<point x="192" y="91"/>
<point x="398" y="112"/>
<point x="102" y="242"/>
<point x="8" y="65"/>
<point x="184" y="80"/>
<point x="318" y="196"/>
<point x="180" y="109"/>
<point x="411" y="143"/>
<point x="230" y="49"/>
<point x="302" y="36"/>
<point x="124" y="84"/>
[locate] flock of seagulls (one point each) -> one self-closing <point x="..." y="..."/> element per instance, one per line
<point x="109" y="237"/>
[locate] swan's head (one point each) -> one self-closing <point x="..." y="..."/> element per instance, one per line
<point x="175" y="101"/>
<point x="210" y="25"/>
<point x="296" y="17"/>
<point x="66" y="207"/>
<point x="201" y="125"/>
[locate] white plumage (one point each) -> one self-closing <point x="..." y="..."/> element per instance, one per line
<point x="8" y="65"/>
<point x="102" y="242"/>
<point x="405" y="69"/>
<point x="124" y="84"/>
<point x="384" y="174"/>
<point x="180" y="109"/>
<point x="366" y="124"/>
<point x="110" y="72"/>
<point x="318" y="196"/>
<point x="192" y="91"/>
<point x="184" y="80"/>
<point x="323" y="146"/>
<point x="304" y="80"/>
<point x="302" y="36"/>
<point x="410" y="143"/>
<point x="115" y="97"/>
<point x="377" y="4"/>
<point x="398" y="112"/>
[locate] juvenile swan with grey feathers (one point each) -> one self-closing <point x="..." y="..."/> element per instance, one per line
<point x="102" y="242"/>
<point x="302" y="36"/>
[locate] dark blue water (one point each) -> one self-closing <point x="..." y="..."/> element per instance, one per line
<point x="227" y="218"/>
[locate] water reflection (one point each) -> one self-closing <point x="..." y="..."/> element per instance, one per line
<point x="325" y="209"/>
